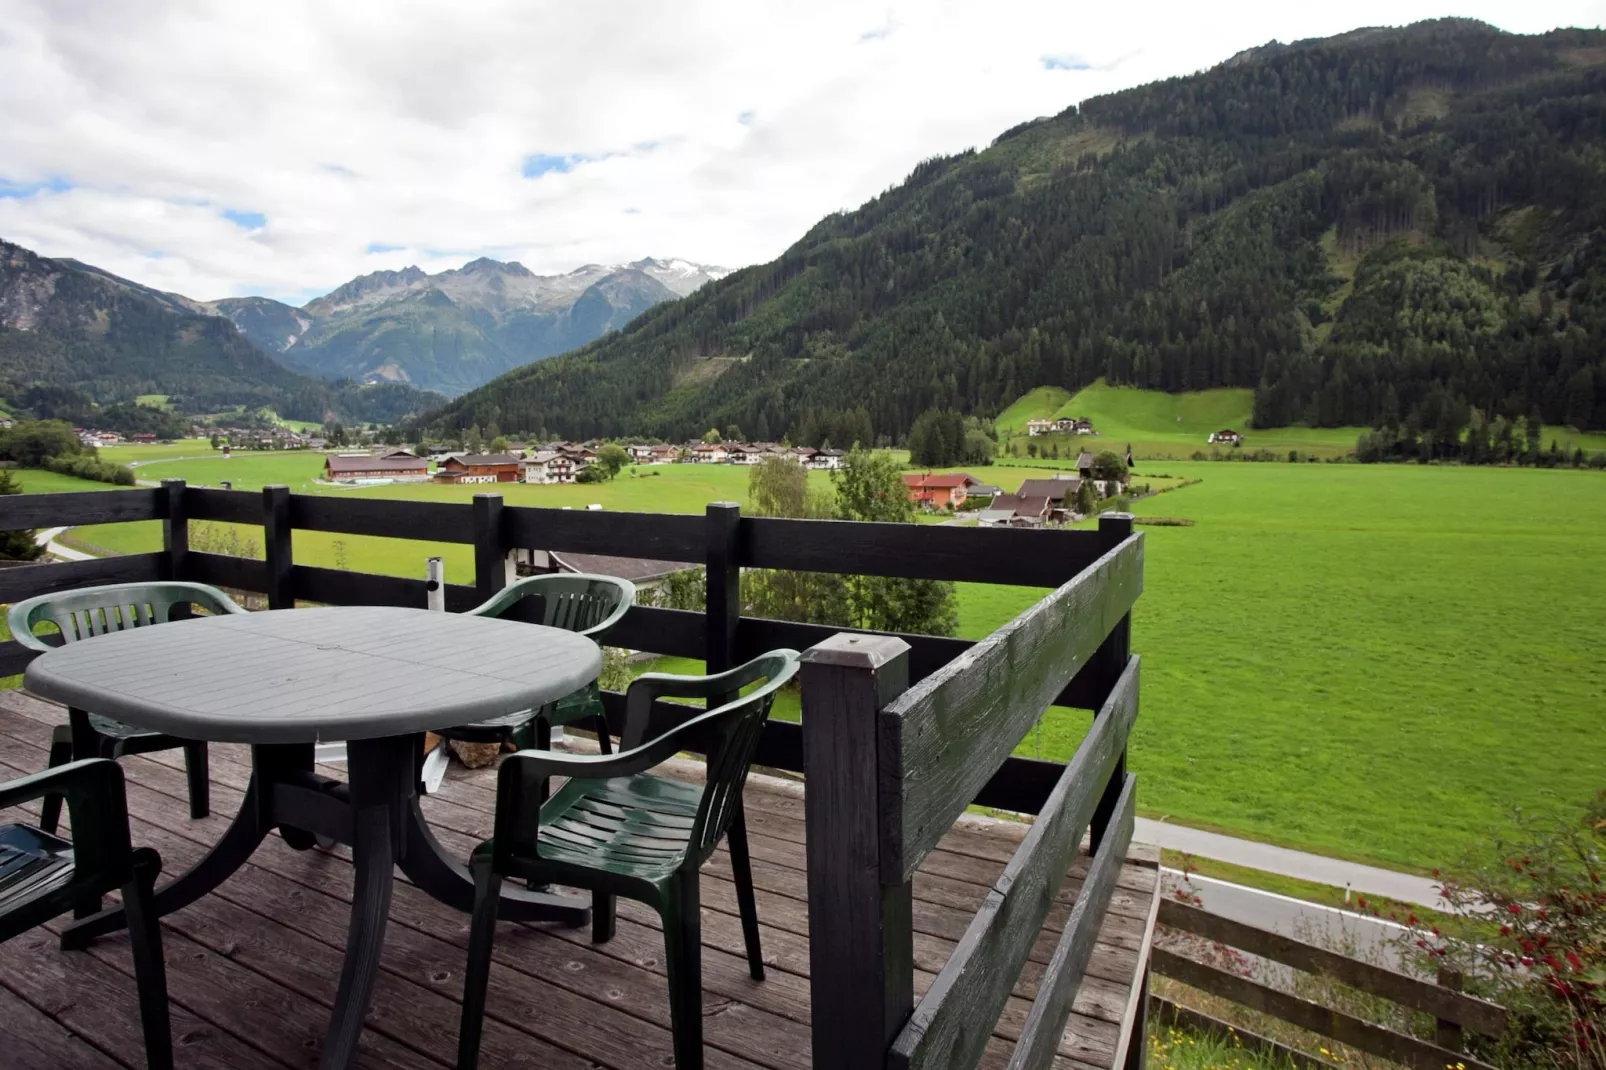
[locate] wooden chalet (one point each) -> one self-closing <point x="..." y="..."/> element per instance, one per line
<point x="345" y="468"/>
<point x="480" y="468"/>
<point x="1226" y="437"/>
<point x="940" y="490"/>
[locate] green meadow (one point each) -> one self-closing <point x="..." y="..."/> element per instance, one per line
<point x="1377" y="662"/>
<point x="1174" y="426"/>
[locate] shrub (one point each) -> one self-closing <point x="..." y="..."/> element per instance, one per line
<point x="1546" y="885"/>
<point x="88" y="466"/>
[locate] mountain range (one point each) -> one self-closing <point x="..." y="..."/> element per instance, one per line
<point x="452" y="331"/>
<point x="1392" y="225"/>
<point x="378" y="348"/>
<point x="83" y="335"/>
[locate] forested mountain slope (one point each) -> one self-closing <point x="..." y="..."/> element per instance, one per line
<point x="1387" y="224"/>
<point x="66" y="325"/>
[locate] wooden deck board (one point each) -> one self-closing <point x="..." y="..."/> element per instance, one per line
<point x="253" y="967"/>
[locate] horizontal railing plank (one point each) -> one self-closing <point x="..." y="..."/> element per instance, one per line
<point x="223" y="570"/>
<point x="26" y="581"/>
<point x="653" y="536"/>
<point x="780" y="744"/>
<point x="395" y="518"/>
<point x="1029" y="558"/>
<point x="338" y="587"/>
<point x="23" y="511"/>
<point x="948" y="734"/>
<point x="231" y="506"/>
<point x="1446" y="1003"/>
<point x="1045" y="1025"/>
<point x="1307" y="1014"/>
<point x="951" y="1023"/>
<point x="676" y="632"/>
<point x="927" y="654"/>
<point x="14" y="657"/>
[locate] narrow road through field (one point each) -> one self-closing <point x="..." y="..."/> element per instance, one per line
<point x="1363" y="879"/>
<point x="47" y="539"/>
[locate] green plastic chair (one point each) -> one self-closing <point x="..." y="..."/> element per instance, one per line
<point x="579" y="602"/>
<point x="43" y="876"/>
<point x="93" y="611"/>
<point x="616" y="829"/>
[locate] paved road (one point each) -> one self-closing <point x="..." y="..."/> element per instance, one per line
<point x="47" y="539"/>
<point x="1373" y="940"/>
<point x="1363" y="879"/>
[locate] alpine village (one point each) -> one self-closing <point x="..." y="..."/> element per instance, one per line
<point x="1125" y="594"/>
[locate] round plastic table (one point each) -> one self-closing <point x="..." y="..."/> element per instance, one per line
<point x="282" y="681"/>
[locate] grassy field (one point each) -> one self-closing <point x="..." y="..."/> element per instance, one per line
<point x="1158" y="425"/>
<point x="1173" y="426"/>
<point x="1376" y="662"/>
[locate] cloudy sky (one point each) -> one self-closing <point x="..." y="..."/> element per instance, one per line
<point x="224" y="148"/>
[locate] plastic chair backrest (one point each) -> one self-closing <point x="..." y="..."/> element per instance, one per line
<point x="576" y="602"/>
<point x="93" y="611"/>
<point x="736" y="726"/>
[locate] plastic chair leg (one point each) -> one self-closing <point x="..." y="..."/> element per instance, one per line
<point x="477" y="974"/>
<point x="683" y="955"/>
<point x="197" y="769"/>
<point x="60" y="754"/>
<point x="150" y="969"/>
<point x="742" y="871"/>
<point x="603" y="910"/>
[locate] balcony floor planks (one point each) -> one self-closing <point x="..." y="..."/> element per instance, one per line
<point x="267" y="946"/>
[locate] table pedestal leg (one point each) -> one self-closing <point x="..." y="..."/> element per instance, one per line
<point x="374" y="856"/>
<point x="231" y="852"/>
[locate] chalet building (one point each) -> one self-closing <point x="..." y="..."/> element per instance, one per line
<point x="1016" y="511"/>
<point x="640" y="454"/>
<point x="1060" y="491"/>
<point x="545" y="466"/>
<point x="709" y="453"/>
<point x="665" y="453"/>
<point x="1069" y="425"/>
<point x="348" y="468"/>
<point x="480" y="468"/>
<point x="1227" y="437"/>
<point x="827" y="459"/>
<point x="145" y="438"/>
<point x="939" y="491"/>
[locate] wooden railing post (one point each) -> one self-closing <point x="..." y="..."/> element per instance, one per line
<point x="724" y="601"/>
<point x="490" y="547"/>
<point x="277" y="547"/>
<point x="1447" y="1034"/>
<point x="861" y="939"/>
<point x="175" y="531"/>
<point x="1111" y="659"/>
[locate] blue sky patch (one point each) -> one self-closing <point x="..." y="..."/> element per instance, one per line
<point x="248" y="220"/>
<point x="53" y="184"/>
<point x="1067" y="62"/>
<point x="746" y="118"/>
<point x="543" y="163"/>
<point x="379" y="247"/>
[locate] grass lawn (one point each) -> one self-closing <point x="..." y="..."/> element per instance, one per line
<point x="1375" y="662"/>
<point x="139" y="455"/>
<point x="1173" y="426"/>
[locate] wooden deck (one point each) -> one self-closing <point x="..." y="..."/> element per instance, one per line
<point x="253" y="968"/>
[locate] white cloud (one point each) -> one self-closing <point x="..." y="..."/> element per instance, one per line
<point x="717" y="130"/>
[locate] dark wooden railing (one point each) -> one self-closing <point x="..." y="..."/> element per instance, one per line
<point x="890" y="768"/>
<point x="900" y="732"/>
<point x="1453" y="1011"/>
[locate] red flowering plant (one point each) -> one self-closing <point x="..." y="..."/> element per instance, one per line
<point x="1539" y="942"/>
